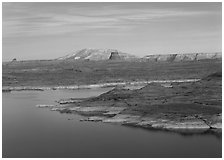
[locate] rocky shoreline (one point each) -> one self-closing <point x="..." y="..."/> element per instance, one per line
<point x="187" y="107"/>
<point x="188" y="124"/>
<point x="193" y="123"/>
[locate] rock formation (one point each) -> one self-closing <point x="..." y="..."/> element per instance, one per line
<point x="201" y="56"/>
<point x="186" y="57"/>
<point x="168" y="57"/>
<point x="181" y="57"/>
<point x="14" y="59"/>
<point x="97" y="55"/>
<point x="114" y="56"/>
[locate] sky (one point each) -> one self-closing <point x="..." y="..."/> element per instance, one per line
<point x="44" y="30"/>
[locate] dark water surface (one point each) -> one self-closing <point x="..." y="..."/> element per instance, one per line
<point x="29" y="131"/>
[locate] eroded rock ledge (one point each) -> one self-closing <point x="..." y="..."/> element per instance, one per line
<point x="182" y="107"/>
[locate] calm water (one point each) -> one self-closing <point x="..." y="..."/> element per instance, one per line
<point x="34" y="132"/>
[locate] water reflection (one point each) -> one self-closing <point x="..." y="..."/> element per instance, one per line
<point x="183" y="132"/>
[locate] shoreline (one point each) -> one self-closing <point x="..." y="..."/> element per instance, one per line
<point x="155" y="106"/>
<point x="189" y="124"/>
<point x="92" y="86"/>
<point x="180" y="107"/>
<point x="184" y="106"/>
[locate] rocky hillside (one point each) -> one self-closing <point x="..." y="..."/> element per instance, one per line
<point x="182" y="57"/>
<point x="96" y="55"/>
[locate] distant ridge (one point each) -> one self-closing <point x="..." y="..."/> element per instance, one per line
<point x="97" y="55"/>
<point x="113" y="54"/>
<point x="181" y="57"/>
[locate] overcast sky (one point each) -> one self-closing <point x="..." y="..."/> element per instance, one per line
<point x="50" y="30"/>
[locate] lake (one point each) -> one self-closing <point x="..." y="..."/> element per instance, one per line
<point x="28" y="131"/>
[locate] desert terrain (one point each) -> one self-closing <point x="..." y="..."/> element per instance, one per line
<point x="175" y="92"/>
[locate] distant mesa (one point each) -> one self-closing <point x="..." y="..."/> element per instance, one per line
<point x="113" y="54"/>
<point x="181" y="57"/>
<point x="98" y="55"/>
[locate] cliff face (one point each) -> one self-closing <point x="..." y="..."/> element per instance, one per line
<point x="114" y="56"/>
<point x="155" y="58"/>
<point x="201" y="56"/>
<point x="182" y="57"/>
